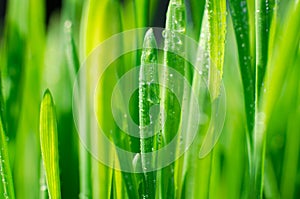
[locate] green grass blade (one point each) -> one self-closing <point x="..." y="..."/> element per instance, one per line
<point x="71" y="52"/>
<point x="175" y="24"/>
<point x="6" y="178"/>
<point x="292" y="149"/>
<point x="142" y="9"/>
<point x="280" y="58"/>
<point x="197" y="183"/>
<point x="289" y="38"/>
<point x="240" y="19"/>
<point x="195" y="13"/>
<point x="95" y="30"/>
<point x="217" y="30"/>
<point x="148" y="96"/>
<point x="263" y="16"/>
<point x="49" y="145"/>
<point x="6" y="183"/>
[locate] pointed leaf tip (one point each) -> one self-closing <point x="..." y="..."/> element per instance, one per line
<point x="149" y="40"/>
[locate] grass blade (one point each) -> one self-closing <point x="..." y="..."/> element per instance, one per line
<point x="71" y="52"/>
<point x="217" y="33"/>
<point x="49" y="145"/>
<point x="95" y="29"/>
<point x="263" y="16"/>
<point x="175" y="24"/>
<point x="142" y="8"/>
<point x="148" y="96"/>
<point x="7" y="189"/>
<point x="240" y="20"/>
<point x="280" y="58"/>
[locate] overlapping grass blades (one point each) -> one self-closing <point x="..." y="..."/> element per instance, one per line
<point x="267" y="38"/>
<point x="173" y="45"/>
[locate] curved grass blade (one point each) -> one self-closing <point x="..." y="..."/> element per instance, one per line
<point x="217" y="33"/>
<point x="148" y="97"/>
<point x="6" y="183"/>
<point x="49" y="145"/>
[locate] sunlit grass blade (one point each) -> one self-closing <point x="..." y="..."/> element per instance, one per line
<point x="6" y="183"/>
<point x="217" y="33"/>
<point x="95" y="29"/>
<point x="49" y="145"/>
<point x="142" y="10"/>
<point x="148" y="97"/>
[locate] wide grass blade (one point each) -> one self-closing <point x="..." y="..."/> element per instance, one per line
<point x="49" y="145"/>
<point x="95" y="29"/>
<point x="148" y="97"/>
<point x="280" y="58"/>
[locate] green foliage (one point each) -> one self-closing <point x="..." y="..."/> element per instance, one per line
<point x="253" y="48"/>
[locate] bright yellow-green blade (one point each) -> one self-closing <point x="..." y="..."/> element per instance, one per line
<point x="217" y="31"/>
<point x="49" y="145"/>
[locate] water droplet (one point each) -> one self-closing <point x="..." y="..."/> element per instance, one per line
<point x="43" y="188"/>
